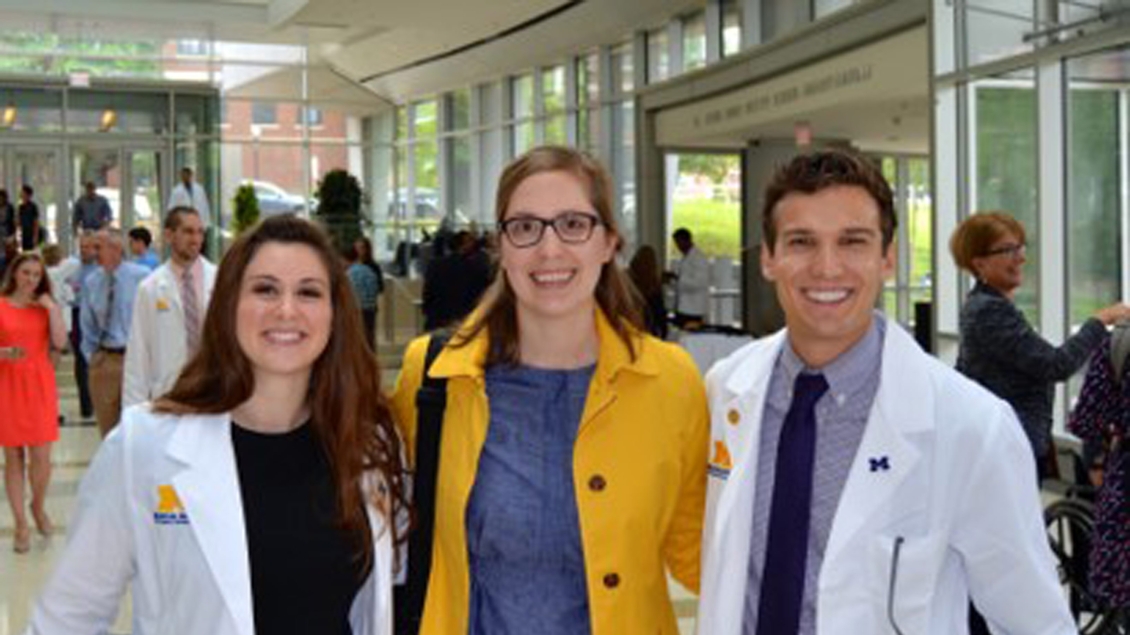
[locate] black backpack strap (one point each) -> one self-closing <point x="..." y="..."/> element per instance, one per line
<point x="431" y="401"/>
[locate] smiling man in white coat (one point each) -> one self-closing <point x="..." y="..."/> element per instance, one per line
<point x="169" y="311"/>
<point x="858" y="485"/>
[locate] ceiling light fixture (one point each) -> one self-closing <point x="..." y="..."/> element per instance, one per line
<point x="109" y="120"/>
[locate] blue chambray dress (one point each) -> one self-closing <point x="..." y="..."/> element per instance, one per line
<point x="527" y="563"/>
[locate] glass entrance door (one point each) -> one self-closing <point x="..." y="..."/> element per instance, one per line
<point x="129" y="178"/>
<point x="40" y="168"/>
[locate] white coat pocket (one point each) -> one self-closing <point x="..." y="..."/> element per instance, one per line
<point x="907" y="569"/>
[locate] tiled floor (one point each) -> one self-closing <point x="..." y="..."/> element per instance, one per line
<point x="22" y="576"/>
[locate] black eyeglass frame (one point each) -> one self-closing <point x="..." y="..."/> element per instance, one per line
<point x="597" y="221"/>
<point x="1012" y="251"/>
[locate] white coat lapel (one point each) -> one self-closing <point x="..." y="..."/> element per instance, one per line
<point x="208" y="488"/>
<point x="169" y="288"/>
<point x="740" y="420"/>
<point x="903" y="405"/>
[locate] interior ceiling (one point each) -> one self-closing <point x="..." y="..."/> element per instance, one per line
<point x="383" y="44"/>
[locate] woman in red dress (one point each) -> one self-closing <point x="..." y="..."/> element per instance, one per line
<point x="30" y="323"/>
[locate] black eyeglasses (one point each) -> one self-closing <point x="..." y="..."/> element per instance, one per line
<point x="1013" y="251"/>
<point x="573" y="228"/>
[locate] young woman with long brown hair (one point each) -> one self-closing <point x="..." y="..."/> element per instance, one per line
<point x="31" y="323"/>
<point x="572" y="465"/>
<point x="255" y="496"/>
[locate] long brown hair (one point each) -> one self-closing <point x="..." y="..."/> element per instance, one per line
<point x="497" y="311"/>
<point x="350" y="415"/>
<point x="10" y="275"/>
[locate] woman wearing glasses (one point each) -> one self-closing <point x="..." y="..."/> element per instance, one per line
<point x="999" y="348"/>
<point x="572" y="466"/>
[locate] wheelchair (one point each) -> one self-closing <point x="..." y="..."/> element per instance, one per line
<point x="1070" y="524"/>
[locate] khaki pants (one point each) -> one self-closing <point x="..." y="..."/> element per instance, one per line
<point x="106" y="370"/>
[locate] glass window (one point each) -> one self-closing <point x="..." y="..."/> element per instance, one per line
<point x="31" y="110"/>
<point x="623" y="72"/>
<point x="196" y="114"/>
<point x="110" y="112"/>
<point x="658" y="55"/>
<point x="1094" y="200"/>
<point x="522" y="137"/>
<point x="461" y="109"/>
<point x="588" y="80"/>
<point x="822" y="8"/>
<point x="461" y="203"/>
<point x="996" y="29"/>
<point x="694" y="42"/>
<point x="522" y="96"/>
<point x="264" y="113"/>
<point x="553" y="89"/>
<point x="731" y="27"/>
<point x="192" y="48"/>
<point x="314" y="116"/>
<point x="1005" y="167"/>
<point x="555" y="130"/>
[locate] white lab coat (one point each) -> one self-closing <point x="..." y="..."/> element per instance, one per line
<point x="959" y="489"/>
<point x="157" y="348"/>
<point x="197" y="200"/>
<point x="188" y="563"/>
<point x="692" y="287"/>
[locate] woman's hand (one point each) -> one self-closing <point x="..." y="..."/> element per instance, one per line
<point x="1117" y="312"/>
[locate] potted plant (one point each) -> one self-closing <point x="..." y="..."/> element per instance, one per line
<point x="246" y="206"/>
<point x="340" y="199"/>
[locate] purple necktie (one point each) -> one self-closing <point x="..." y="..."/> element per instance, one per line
<point x="786" y="549"/>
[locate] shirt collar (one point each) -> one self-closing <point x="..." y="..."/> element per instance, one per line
<point x="847" y="374"/>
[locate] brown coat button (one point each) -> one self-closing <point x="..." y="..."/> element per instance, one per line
<point x="733" y="417"/>
<point x="612" y="580"/>
<point x="597" y="483"/>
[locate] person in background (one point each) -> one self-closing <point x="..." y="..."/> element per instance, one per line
<point x="7" y="227"/>
<point x="367" y="286"/>
<point x="59" y="270"/>
<point x="31" y="323"/>
<point x="692" y="282"/>
<point x="140" y="248"/>
<point x="88" y="262"/>
<point x="857" y="485"/>
<point x="572" y="463"/>
<point x="189" y="193"/>
<point x="644" y="272"/>
<point x="91" y="210"/>
<point x="107" y="311"/>
<point x="258" y="495"/>
<point x="455" y="281"/>
<point x="168" y="313"/>
<point x="28" y="213"/>
<point x="999" y="349"/>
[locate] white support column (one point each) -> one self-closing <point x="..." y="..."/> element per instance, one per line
<point x="675" y="47"/>
<point x="444" y="153"/>
<point x="571" y="90"/>
<point x="475" y="117"/>
<point x="1052" y="203"/>
<point x="751" y="23"/>
<point x="539" y="106"/>
<point x="904" y="250"/>
<point x="948" y="213"/>
<point x="713" y="19"/>
<point x="607" y="103"/>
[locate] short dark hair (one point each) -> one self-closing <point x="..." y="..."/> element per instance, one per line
<point x="27" y="189"/>
<point x="142" y="234"/>
<point x="809" y="173"/>
<point x="173" y="218"/>
<point x="682" y="233"/>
